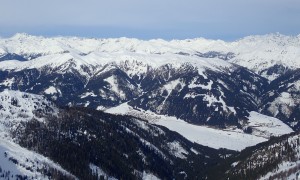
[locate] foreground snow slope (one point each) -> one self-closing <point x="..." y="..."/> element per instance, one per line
<point x="233" y="139"/>
<point x="14" y="104"/>
<point x="17" y="107"/>
<point x="18" y="161"/>
<point x="275" y="159"/>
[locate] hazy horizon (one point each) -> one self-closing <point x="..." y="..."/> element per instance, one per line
<point x="168" y="19"/>
<point x="99" y="37"/>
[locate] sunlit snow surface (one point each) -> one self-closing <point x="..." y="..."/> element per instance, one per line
<point x="233" y="139"/>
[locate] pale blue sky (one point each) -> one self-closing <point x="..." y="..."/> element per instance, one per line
<point x="146" y="19"/>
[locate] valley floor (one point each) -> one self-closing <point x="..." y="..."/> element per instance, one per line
<point x="233" y="139"/>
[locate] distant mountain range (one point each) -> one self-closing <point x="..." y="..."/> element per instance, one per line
<point x="247" y="90"/>
<point x="257" y="53"/>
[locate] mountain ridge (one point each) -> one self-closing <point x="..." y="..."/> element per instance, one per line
<point x="258" y="53"/>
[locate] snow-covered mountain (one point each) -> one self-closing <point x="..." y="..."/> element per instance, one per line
<point x="259" y="53"/>
<point x="205" y="75"/>
<point x="211" y="92"/>
<point x="282" y="98"/>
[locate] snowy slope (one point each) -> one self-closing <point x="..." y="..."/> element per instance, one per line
<point x="17" y="161"/>
<point x="17" y="107"/>
<point x="283" y="169"/>
<point x="216" y="138"/>
<point x="275" y="159"/>
<point x="266" y="126"/>
<point x="282" y="99"/>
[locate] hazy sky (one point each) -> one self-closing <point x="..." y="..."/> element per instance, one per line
<point x="146" y="19"/>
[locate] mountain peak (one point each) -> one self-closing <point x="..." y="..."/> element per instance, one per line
<point x="21" y="36"/>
